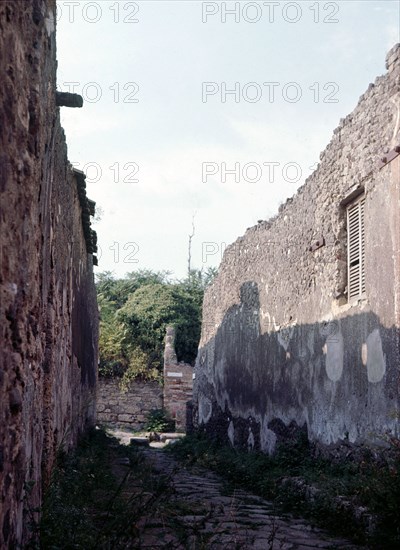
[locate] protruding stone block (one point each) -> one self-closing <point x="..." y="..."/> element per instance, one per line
<point x="66" y="99"/>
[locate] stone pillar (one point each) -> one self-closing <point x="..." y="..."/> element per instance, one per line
<point x="178" y="383"/>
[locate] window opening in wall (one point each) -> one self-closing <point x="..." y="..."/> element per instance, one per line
<point x="356" y="249"/>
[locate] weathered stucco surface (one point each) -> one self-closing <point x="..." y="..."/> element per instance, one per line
<point x="281" y="348"/>
<point x="48" y="311"/>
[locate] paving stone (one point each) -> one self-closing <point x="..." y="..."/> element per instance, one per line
<point x="225" y="522"/>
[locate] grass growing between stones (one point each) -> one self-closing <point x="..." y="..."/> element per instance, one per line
<point x="105" y="495"/>
<point x="358" y="499"/>
<point x="98" y="496"/>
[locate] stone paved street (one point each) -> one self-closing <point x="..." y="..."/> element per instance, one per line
<point x="205" y="517"/>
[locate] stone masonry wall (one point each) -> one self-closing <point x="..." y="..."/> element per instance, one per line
<point x="127" y="409"/>
<point x="281" y="347"/>
<point x="48" y="309"/>
<point x="178" y="385"/>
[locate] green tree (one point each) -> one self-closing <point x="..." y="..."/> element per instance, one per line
<point x="119" y="290"/>
<point x="151" y="308"/>
<point x="113" y="353"/>
<point x="134" y="314"/>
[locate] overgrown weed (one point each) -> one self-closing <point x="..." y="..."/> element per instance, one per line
<point x="97" y="497"/>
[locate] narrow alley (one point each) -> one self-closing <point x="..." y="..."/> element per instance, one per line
<point x="207" y="516"/>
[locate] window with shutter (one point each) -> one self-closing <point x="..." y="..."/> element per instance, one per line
<point x="356" y="249"/>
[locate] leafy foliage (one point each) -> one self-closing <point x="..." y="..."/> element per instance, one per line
<point x="134" y="314"/>
<point x="158" y="421"/>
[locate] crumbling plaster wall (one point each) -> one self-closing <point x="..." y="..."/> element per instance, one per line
<point x="48" y="310"/>
<point x="280" y="346"/>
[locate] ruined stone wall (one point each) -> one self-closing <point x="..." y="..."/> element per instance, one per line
<point x="48" y="310"/>
<point x="178" y="385"/>
<point x="128" y="409"/>
<point x="281" y="347"/>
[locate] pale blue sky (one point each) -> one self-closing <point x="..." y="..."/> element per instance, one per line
<point x="172" y="130"/>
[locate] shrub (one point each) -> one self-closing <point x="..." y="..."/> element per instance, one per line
<point x="158" y="421"/>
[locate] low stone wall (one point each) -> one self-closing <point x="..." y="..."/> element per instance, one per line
<point x="130" y="408"/>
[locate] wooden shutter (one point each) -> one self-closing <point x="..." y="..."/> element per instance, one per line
<point x="356" y="249"/>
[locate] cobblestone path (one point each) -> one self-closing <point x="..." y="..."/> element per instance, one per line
<point x="201" y="515"/>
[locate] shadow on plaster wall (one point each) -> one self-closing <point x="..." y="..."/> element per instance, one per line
<point x="339" y="379"/>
